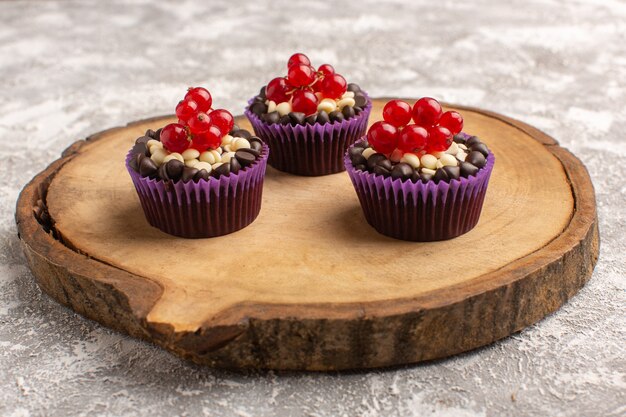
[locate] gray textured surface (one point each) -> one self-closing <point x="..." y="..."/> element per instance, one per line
<point x="69" y="69"/>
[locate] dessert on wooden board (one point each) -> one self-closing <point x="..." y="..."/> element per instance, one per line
<point x="309" y="117"/>
<point x="417" y="175"/>
<point x="200" y="177"/>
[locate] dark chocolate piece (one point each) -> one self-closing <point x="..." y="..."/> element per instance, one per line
<point x="202" y="174"/>
<point x="234" y="129"/>
<point x="354" y="88"/>
<point x="476" y="158"/>
<point x="162" y="173"/>
<point x="188" y="173"/>
<point x="242" y="133"/>
<point x="140" y="148"/>
<point x="251" y="150"/>
<point x="235" y="166"/>
<point x="174" y="169"/>
<point x="415" y="176"/>
<point x="385" y="163"/>
<point x="336" y="116"/>
<point x="360" y="99"/>
<point x="379" y="170"/>
<point x="322" y="117"/>
<point x="147" y="167"/>
<point x="426" y="177"/>
<point x="348" y="112"/>
<point x="453" y="172"/>
<point x="297" y="118"/>
<point x="480" y="147"/>
<point x="358" y="159"/>
<point x="467" y="169"/>
<point x="374" y="159"/>
<point x="151" y="134"/>
<point x="245" y="157"/>
<point x="472" y="140"/>
<point x="223" y="169"/>
<point x="133" y="164"/>
<point x="157" y="134"/>
<point x="258" y="108"/>
<point x="285" y="120"/>
<point x="440" y="175"/>
<point x="312" y="119"/>
<point x="402" y="170"/>
<point x="257" y="146"/>
<point x="262" y="93"/>
<point x="270" y="118"/>
<point x="357" y="149"/>
<point x="357" y="110"/>
<point x="458" y="138"/>
<point x="143" y="139"/>
<point x="361" y="167"/>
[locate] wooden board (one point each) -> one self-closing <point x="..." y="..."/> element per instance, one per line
<point x="310" y="285"/>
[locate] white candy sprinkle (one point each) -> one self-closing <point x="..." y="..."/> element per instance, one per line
<point x="348" y="94"/>
<point x="190" y="154"/>
<point x="461" y="156"/>
<point x="438" y="154"/>
<point x="438" y="164"/>
<point x="158" y="156"/>
<point x="240" y="143"/>
<point x="396" y="155"/>
<point x="227" y="148"/>
<point x="154" y="142"/>
<point x="428" y="171"/>
<point x="226" y="140"/>
<point x="226" y="157"/>
<point x="368" y="152"/>
<point x="203" y="165"/>
<point x="448" y="160"/>
<point x="327" y="105"/>
<point x="462" y="146"/>
<point x="191" y="163"/>
<point x="209" y="157"/>
<point x="453" y="149"/>
<point x="429" y="161"/>
<point x="346" y="102"/>
<point x="271" y="106"/>
<point x="283" y="108"/>
<point x="216" y="165"/>
<point x="411" y="159"/>
<point x="173" y="155"/>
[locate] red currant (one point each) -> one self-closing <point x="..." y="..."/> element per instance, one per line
<point x="298" y="58"/>
<point x="397" y="112"/>
<point x="186" y="109"/>
<point x="426" y="112"/>
<point x="412" y="138"/>
<point x="333" y="86"/>
<point x="300" y="75"/>
<point x="210" y="139"/>
<point x="223" y="119"/>
<point x="439" y="139"/>
<point x="453" y="121"/>
<point x="276" y="90"/>
<point x="200" y="123"/>
<point x="383" y="137"/>
<point x="304" y="101"/>
<point x="201" y="96"/>
<point x="174" y="137"/>
<point x="326" y="69"/>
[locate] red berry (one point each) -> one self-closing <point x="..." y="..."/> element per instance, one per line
<point x="412" y="138"/>
<point x="276" y="90"/>
<point x="223" y="119"/>
<point x="201" y="96"/>
<point x="397" y="112"/>
<point x="174" y="137"/>
<point x="186" y="109"/>
<point x="298" y="58"/>
<point x="453" y="121"/>
<point x="439" y="139"/>
<point x="200" y="123"/>
<point x="426" y="112"/>
<point x="334" y="86"/>
<point x="326" y="69"/>
<point x="210" y="139"/>
<point x="383" y="137"/>
<point x="300" y="75"/>
<point x="304" y="101"/>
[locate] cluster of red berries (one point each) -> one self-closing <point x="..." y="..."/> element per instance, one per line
<point x="199" y="126"/>
<point x="302" y="82"/>
<point x="432" y="130"/>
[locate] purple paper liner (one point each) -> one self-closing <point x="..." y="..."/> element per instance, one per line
<point x="206" y="208"/>
<point x="421" y="212"/>
<point x="310" y="150"/>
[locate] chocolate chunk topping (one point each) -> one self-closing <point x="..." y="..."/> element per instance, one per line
<point x="262" y="93"/>
<point x="356" y="150"/>
<point x="143" y="139"/>
<point x="380" y="170"/>
<point x="385" y="163"/>
<point x="467" y="169"/>
<point x="440" y="175"/>
<point x="472" y="140"/>
<point x="162" y="173"/>
<point x="458" y="138"/>
<point x="284" y="120"/>
<point x="354" y="88"/>
<point x="188" y="174"/>
<point x="415" y="176"/>
<point x="223" y="169"/>
<point x="480" y="147"/>
<point x="360" y="99"/>
<point x="270" y="118"/>
<point x="361" y="167"/>
<point x="202" y="174"/>
<point x="242" y="133"/>
<point x="296" y="118"/>
<point x="140" y="148"/>
<point x="476" y="158"/>
<point x="245" y="157"/>
<point x="151" y="134"/>
<point x="336" y="116"/>
<point x="348" y="112"/>
<point x="147" y="167"/>
<point x="374" y="159"/>
<point x="357" y="110"/>
<point x="426" y="177"/>
<point x="312" y="119"/>
<point x="134" y="164"/>
<point x="402" y="170"/>
<point x="258" y="108"/>
<point x="257" y="146"/>
<point x="235" y="166"/>
<point x="322" y="117"/>
<point x="174" y="169"/>
<point x="453" y="172"/>
<point x="157" y="134"/>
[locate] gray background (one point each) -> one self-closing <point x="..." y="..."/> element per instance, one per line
<point x="69" y="69"/>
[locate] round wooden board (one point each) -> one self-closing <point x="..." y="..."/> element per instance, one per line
<point x="310" y="285"/>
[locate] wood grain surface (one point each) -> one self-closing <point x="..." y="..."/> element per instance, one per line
<point x="309" y="285"/>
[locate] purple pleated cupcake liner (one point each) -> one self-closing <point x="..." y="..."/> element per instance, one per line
<point x="206" y="208"/>
<point x="310" y="150"/>
<point x="421" y="212"/>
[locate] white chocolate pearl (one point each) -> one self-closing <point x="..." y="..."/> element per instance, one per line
<point x="346" y="102"/>
<point x="461" y="156"/>
<point x="271" y="106"/>
<point x="453" y="149"/>
<point x="218" y="150"/>
<point x="411" y="159"/>
<point x="438" y="164"/>
<point x="226" y="157"/>
<point x="283" y="108"/>
<point x="368" y="152"/>
<point x="428" y="171"/>
<point x="158" y="156"/>
<point x="396" y="155"/>
<point x="217" y="155"/>
<point x="227" y="148"/>
<point x="154" y="142"/>
<point x="348" y="94"/>
<point x="462" y="146"/>
<point x="226" y="140"/>
<point x="173" y="155"/>
<point x="429" y="161"/>
<point x="208" y="157"/>
<point x="240" y="143"/>
<point x="203" y="165"/>
<point x="438" y="154"/>
<point x="448" y="160"/>
<point x="190" y="154"/>
<point x="327" y="105"/>
<point x="191" y="163"/>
